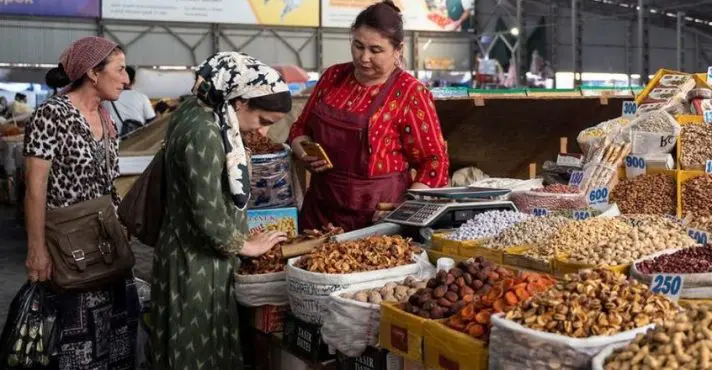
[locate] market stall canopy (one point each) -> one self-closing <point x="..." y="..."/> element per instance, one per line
<point x="292" y="73"/>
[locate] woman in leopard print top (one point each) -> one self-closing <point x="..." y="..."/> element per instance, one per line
<point x="65" y="164"/>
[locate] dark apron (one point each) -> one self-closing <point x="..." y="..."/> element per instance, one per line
<point x="345" y="195"/>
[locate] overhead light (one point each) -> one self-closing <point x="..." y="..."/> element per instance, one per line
<point x="514" y="31"/>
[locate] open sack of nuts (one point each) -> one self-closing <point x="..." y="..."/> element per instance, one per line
<point x="565" y="327"/>
<point x="695" y="264"/>
<point x="354" y="314"/>
<point x="682" y="343"/>
<point x="262" y="280"/>
<point x="338" y="265"/>
<point x="654" y="132"/>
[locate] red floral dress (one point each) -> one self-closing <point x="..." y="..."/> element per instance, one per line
<point x="404" y="133"/>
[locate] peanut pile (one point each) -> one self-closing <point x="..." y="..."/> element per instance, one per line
<point x="647" y="194"/>
<point x="696" y="141"/>
<point x="369" y="254"/>
<point x="591" y="303"/>
<point x="696" y="196"/>
<point x="682" y="343"/>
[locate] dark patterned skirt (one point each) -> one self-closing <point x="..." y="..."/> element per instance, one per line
<point x="99" y="328"/>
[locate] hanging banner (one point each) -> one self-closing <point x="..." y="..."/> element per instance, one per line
<point x="298" y="13"/>
<point x="418" y="15"/>
<point x="51" y="8"/>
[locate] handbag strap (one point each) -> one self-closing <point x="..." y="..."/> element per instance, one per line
<point x="105" y="139"/>
<point x="117" y="112"/>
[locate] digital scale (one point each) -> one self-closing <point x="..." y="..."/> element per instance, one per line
<point x="447" y="208"/>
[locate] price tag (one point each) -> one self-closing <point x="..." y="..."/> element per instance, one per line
<point x="635" y="166"/>
<point x="541" y="212"/>
<point x="629" y="108"/>
<point x="699" y="236"/>
<point x="576" y="179"/>
<point x="707" y="115"/>
<point x="709" y="75"/>
<point x="582" y="215"/>
<point x="598" y="196"/>
<point x="667" y="285"/>
<point x="708" y="166"/>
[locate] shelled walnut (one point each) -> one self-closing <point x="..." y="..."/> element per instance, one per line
<point x="391" y="292"/>
<point x="591" y="303"/>
<point x="369" y="254"/>
<point x="273" y="261"/>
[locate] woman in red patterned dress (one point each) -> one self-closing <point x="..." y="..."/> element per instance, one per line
<point x="375" y="122"/>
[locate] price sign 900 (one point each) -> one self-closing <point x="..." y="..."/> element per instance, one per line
<point x="598" y="196"/>
<point x="668" y="285"/>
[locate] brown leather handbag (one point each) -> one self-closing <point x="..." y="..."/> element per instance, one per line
<point x="143" y="207"/>
<point x="87" y="243"/>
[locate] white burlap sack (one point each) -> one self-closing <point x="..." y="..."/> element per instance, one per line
<point x="600" y="360"/>
<point x="262" y="289"/>
<point x="694" y="286"/>
<point x="309" y="291"/>
<point x="513" y="346"/>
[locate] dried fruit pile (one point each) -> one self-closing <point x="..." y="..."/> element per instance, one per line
<point x="259" y="144"/>
<point x="369" y="254"/>
<point x="682" y="343"/>
<point x="448" y="292"/>
<point x="391" y="292"/>
<point x="474" y="319"/>
<point x="591" y="303"/>
<point x="272" y="261"/>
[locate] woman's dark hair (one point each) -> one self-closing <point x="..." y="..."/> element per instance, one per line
<point x="279" y="102"/>
<point x="384" y="17"/>
<point x="61" y="79"/>
<point x="132" y="74"/>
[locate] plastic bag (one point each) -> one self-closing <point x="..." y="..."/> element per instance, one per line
<point x="513" y="346"/>
<point x="261" y="289"/>
<point x="592" y="138"/>
<point x="271" y="180"/>
<point x="30" y="337"/>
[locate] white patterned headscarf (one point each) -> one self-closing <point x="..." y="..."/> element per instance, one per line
<point x="220" y="79"/>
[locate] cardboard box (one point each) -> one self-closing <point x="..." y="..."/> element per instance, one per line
<point x="401" y="332"/>
<point x="270" y="319"/>
<point x="371" y="359"/>
<point x="448" y="349"/>
<point x="304" y="339"/>
<point x="279" y="219"/>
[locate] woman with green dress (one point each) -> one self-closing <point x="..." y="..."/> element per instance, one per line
<point x="194" y="313"/>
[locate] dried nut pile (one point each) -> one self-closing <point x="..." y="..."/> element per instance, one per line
<point x="532" y="231"/>
<point x="558" y="188"/>
<point x="657" y="122"/>
<point x="648" y="194"/>
<point x="450" y="291"/>
<point x="696" y="260"/>
<point x="284" y="224"/>
<point x="591" y="303"/>
<point x="391" y="292"/>
<point x="488" y="224"/>
<point x="259" y="144"/>
<point x="474" y="319"/>
<point x="623" y="248"/>
<point x="696" y="196"/>
<point x="684" y="342"/>
<point x="527" y="201"/>
<point x="702" y="223"/>
<point x="579" y="235"/>
<point x="369" y="254"/>
<point x="272" y="261"/>
<point x="696" y="144"/>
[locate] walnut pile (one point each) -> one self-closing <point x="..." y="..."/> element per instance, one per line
<point x="591" y="303"/>
<point x="272" y="261"/>
<point x="369" y="254"/>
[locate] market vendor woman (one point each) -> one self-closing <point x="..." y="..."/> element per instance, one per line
<point x="375" y="122"/>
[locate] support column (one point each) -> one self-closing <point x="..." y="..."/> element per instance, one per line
<point x="576" y="41"/>
<point x="415" y="53"/>
<point x="553" y="55"/>
<point x="629" y="42"/>
<point x="319" y="49"/>
<point x="643" y="43"/>
<point x="680" y="41"/>
<point x="521" y="56"/>
<point x="215" y="37"/>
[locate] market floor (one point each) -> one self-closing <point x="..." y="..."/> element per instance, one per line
<point x="13" y="252"/>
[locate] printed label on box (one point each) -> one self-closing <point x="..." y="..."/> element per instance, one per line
<point x="447" y="363"/>
<point x="399" y="338"/>
<point x="278" y="219"/>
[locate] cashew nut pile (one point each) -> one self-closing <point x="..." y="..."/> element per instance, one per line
<point x="682" y="343"/>
<point x="391" y="292"/>
<point x="591" y="303"/>
<point x="531" y="231"/>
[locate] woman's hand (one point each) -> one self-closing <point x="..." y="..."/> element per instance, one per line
<point x="261" y="243"/>
<point x="314" y="164"/>
<point x="38" y="263"/>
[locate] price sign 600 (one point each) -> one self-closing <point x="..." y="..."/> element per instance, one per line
<point x="598" y="196"/>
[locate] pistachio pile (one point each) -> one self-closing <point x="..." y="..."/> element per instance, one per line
<point x="696" y="196"/>
<point x="591" y="303"/>
<point x="648" y="194"/>
<point x="529" y="232"/>
<point x="682" y="343"/>
<point x="696" y="143"/>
